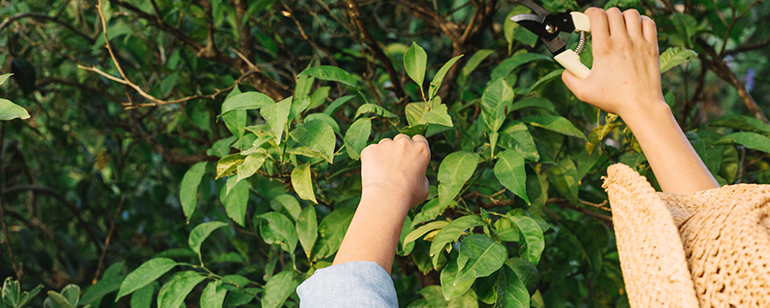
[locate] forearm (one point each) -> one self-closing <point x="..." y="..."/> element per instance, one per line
<point x="675" y="163"/>
<point x="374" y="232"/>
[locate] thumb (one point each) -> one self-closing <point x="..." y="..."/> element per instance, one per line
<point x="571" y="81"/>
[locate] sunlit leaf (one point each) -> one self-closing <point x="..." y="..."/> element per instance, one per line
<point x="246" y="101"/>
<point x="332" y="229"/>
<point x="251" y="164"/>
<point x="145" y="274"/>
<point x="301" y="180"/>
<point x="287" y="202"/>
<point x="10" y="111"/>
<point x="236" y="200"/>
<point x="375" y="109"/>
<point x="480" y="256"/>
<point x="454" y="171"/>
<point x="357" y="136"/>
<point x="276" y="116"/>
<point x="415" y="60"/>
<point x="213" y="295"/>
<point x="452" y="232"/>
<point x="228" y="165"/>
<point x="675" y="56"/>
<point x="435" y="84"/>
<point x="317" y="136"/>
<point x="450" y="286"/>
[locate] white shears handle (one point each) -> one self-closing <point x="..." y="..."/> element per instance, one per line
<point x="569" y="58"/>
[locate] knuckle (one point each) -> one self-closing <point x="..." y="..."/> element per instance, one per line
<point x="631" y="12"/>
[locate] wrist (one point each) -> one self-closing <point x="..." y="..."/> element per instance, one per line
<point x="650" y="113"/>
<point x="390" y="197"/>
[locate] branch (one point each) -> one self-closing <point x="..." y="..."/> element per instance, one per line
<point x="748" y="47"/>
<point x="8" y="20"/>
<point x="719" y="67"/>
<point x="71" y="207"/>
<point x="366" y="37"/>
<point x="107" y="240"/>
<point x="260" y="81"/>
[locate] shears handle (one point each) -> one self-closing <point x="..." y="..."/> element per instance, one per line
<point x="569" y="58"/>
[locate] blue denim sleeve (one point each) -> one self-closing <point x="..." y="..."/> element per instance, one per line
<point x="351" y="284"/>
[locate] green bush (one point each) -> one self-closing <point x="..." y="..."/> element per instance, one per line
<point x="220" y="165"/>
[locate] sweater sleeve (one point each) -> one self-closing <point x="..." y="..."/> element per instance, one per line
<point x="351" y="284"/>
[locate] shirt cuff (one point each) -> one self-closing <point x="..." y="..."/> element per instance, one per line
<point x="350" y="284"/>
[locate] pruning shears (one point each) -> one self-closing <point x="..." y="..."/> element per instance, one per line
<point x="547" y="26"/>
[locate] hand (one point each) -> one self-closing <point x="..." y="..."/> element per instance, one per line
<point x="625" y="78"/>
<point x="397" y="168"/>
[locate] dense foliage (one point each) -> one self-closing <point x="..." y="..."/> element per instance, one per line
<point x="206" y="153"/>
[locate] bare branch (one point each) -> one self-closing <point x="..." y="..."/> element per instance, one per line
<point x="8" y="20"/>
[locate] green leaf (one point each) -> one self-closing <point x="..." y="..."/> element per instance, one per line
<point x="332" y="229"/>
<point x="304" y="85"/>
<point x="422" y="230"/>
<point x="437" y="114"/>
<point x="555" y="123"/>
<point x="275" y="228"/>
<point x="200" y="233"/>
<point x="450" y="286"/>
<point x="509" y="170"/>
<point x="439" y="77"/>
<point x="331" y="73"/>
<point x="10" y="111"/>
<point x="429" y="212"/>
<point x="302" y="182"/>
<point x="415" y="60"/>
<point x="142" y="298"/>
<point x="4" y="77"/>
<point x="337" y="103"/>
<point x="506" y="230"/>
<point x="750" y="140"/>
<point x="71" y="293"/>
<point x="221" y="147"/>
<point x="307" y="229"/>
<point x="213" y="295"/>
<point x="145" y="274"/>
<point x="317" y="99"/>
<point x="235" y="122"/>
<point x="236" y="200"/>
<point x="742" y="122"/>
<point x="494" y="101"/>
<point x="515" y="135"/>
<point x="533" y="102"/>
<point x="475" y="60"/>
<point x="511" y="292"/>
<point x="251" y="164"/>
<point x="317" y="136"/>
<point x="278" y="288"/>
<point x="564" y="177"/>
<point x="455" y="169"/>
<point x="357" y="136"/>
<point x="451" y="232"/>
<point x="109" y="283"/>
<point x="480" y="256"/>
<point x="372" y="108"/>
<point x="326" y="119"/>
<point x="287" y="202"/>
<point x="174" y="291"/>
<point x="545" y="79"/>
<point x="276" y="116"/>
<point x="675" y="56"/>
<point x="188" y="192"/>
<point x="246" y="101"/>
<point x="510" y="64"/>
<point x="228" y="165"/>
<point x="532" y="234"/>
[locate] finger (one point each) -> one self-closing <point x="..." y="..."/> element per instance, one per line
<point x="649" y="30"/>
<point x="369" y="150"/>
<point x="421" y="138"/>
<point x="384" y="140"/>
<point x="400" y="137"/>
<point x="571" y="81"/>
<point x="633" y="23"/>
<point x="616" y="23"/>
<point x="599" y="30"/>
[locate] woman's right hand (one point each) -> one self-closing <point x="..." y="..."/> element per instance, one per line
<point x="625" y="78"/>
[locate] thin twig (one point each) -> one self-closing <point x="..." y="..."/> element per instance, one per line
<point x="107" y="241"/>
